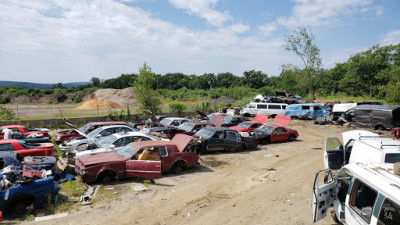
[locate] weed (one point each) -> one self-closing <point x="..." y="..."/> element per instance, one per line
<point x="74" y="188"/>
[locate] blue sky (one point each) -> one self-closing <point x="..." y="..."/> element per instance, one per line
<point x="51" y="41"/>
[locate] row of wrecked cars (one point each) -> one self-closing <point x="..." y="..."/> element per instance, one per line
<point x="107" y="151"/>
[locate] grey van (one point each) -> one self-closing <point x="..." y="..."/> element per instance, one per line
<point x="376" y="116"/>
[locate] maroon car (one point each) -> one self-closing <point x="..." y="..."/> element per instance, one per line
<point x="71" y="134"/>
<point x="129" y="161"/>
<point x="25" y="149"/>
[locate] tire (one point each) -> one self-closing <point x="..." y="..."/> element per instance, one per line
<point x="20" y="207"/>
<point x="177" y="167"/>
<point x="238" y="149"/>
<point x="105" y="178"/>
<point x="246" y="115"/>
<point x="264" y="141"/>
<point x="292" y="138"/>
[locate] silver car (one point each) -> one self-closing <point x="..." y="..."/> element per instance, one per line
<point x="94" y="136"/>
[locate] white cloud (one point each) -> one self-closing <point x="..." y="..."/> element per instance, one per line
<point x="73" y="40"/>
<point x="267" y="29"/>
<point x="203" y="9"/>
<point x="326" y="13"/>
<point x="391" y="38"/>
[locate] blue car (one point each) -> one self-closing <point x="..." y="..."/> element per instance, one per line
<point x="18" y="161"/>
<point x="22" y="194"/>
<point x="306" y="110"/>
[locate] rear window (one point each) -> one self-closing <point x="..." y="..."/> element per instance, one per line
<point x="274" y="107"/>
<point x="392" y="158"/>
<point x="261" y="106"/>
<point x="390" y="213"/>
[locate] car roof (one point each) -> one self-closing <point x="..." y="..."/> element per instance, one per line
<point x="142" y="144"/>
<point x="131" y="133"/>
<point x="218" y="128"/>
<point x="108" y="122"/>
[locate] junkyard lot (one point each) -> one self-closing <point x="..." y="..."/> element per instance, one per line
<point x="271" y="185"/>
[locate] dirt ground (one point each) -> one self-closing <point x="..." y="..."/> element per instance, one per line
<point x="270" y="185"/>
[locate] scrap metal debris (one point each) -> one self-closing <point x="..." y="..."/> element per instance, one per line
<point x="90" y="193"/>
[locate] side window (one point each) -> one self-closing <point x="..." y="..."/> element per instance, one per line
<point x="175" y="123"/>
<point x="163" y="151"/>
<point x="231" y="136"/>
<point x="283" y="106"/>
<point x="122" y="142"/>
<point x="392" y="157"/>
<point x="362" y="200"/>
<point x="390" y="213"/>
<point x="136" y="139"/>
<point x="317" y="108"/>
<point x="274" y="107"/>
<point x="119" y="129"/>
<point x="252" y="106"/>
<point x="106" y="132"/>
<point x="279" y="130"/>
<point x="261" y="106"/>
<point x="6" y="147"/>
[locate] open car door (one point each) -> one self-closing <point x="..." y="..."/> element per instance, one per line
<point x="323" y="194"/>
<point x="333" y="153"/>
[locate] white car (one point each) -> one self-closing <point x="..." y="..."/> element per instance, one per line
<point x="115" y="142"/>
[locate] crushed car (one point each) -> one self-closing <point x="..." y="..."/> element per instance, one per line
<point x="188" y="128"/>
<point x="20" y="189"/>
<point x="146" y="159"/>
<point x="25" y="149"/>
<point x="306" y="110"/>
<point x="222" y="139"/>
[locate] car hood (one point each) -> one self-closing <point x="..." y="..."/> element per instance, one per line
<point x="181" y="141"/>
<point x="90" y="152"/>
<point x="100" y="158"/>
<point x="240" y="129"/>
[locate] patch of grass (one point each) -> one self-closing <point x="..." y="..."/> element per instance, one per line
<point x="73" y="188"/>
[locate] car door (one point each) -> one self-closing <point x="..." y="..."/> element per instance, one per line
<point x="279" y="134"/>
<point x="322" y="194"/>
<point x="232" y="140"/>
<point x="216" y="142"/>
<point x="334" y="154"/>
<point x="149" y="169"/>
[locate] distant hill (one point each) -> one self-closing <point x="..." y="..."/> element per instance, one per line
<point x="38" y="85"/>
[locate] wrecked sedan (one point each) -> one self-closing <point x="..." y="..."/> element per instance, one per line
<point x="24" y="148"/>
<point x="188" y="128"/>
<point x="230" y="121"/>
<point x="66" y="135"/>
<point x="17" y="161"/>
<point x="25" y="132"/>
<point x="224" y="139"/>
<point x="246" y="126"/>
<point x="84" y="142"/>
<point x="115" y="142"/>
<point x="173" y="121"/>
<point x="146" y="159"/>
<point x="274" y="133"/>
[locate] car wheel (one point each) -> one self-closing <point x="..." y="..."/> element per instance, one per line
<point x="105" y="178"/>
<point x="263" y="141"/>
<point x="238" y="149"/>
<point x="20" y="207"/>
<point x="292" y="138"/>
<point x="177" y="167"/>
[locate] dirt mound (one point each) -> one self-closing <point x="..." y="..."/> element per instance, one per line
<point x="94" y="103"/>
<point x="122" y="97"/>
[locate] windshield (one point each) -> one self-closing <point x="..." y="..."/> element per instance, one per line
<point x="265" y="129"/>
<point x="244" y="125"/>
<point x="166" y="121"/>
<point x="227" y="119"/>
<point x="186" y="126"/>
<point x="105" y="142"/>
<point x="17" y="157"/>
<point x="127" y="151"/>
<point x="204" y="133"/>
<point x="85" y="128"/>
<point x="93" y="133"/>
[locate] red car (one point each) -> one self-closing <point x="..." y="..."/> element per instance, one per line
<point x="396" y="132"/>
<point x="247" y="126"/>
<point x="70" y="134"/>
<point x="41" y="132"/>
<point x="274" y="133"/>
<point x="129" y="161"/>
<point x="27" y="149"/>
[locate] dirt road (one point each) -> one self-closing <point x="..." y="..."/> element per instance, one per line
<point x="271" y="185"/>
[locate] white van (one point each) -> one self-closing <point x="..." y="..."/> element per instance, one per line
<point x="270" y="109"/>
<point x="339" y="109"/>
<point x="360" y="194"/>
<point x="360" y="146"/>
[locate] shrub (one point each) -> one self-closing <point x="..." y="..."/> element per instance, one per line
<point x="5" y="99"/>
<point x="177" y="107"/>
<point x="78" y="97"/>
<point x="6" y="114"/>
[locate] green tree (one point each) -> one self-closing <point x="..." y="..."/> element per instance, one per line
<point x="95" y="81"/>
<point x="300" y="41"/>
<point x="6" y="114"/>
<point x="255" y="79"/>
<point x="146" y="96"/>
<point x="177" y="107"/>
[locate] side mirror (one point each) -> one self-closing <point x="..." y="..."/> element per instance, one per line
<point x="111" y="146"/>
<point x="99" y="135"/>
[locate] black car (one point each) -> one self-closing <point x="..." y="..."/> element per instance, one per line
<point x="224" y="139"/>
<point x="230" y="121"/>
